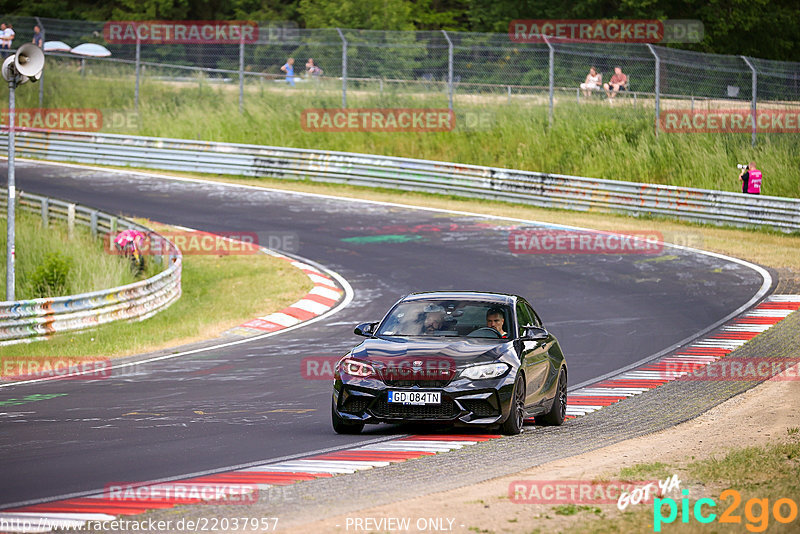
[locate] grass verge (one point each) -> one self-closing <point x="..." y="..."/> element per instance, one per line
<point x="745" y="482"/>
<point x="219" y="292"/>
<point x="50" y="262"/>
<point x="588" y="139"/>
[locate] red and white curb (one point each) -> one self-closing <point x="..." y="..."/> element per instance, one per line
<point x="325" y="295"/>
<point x="100" y="507"/>
<point x="78" y="512"/>
<point x="322" y="298"/>
<point x="725" y="340"/>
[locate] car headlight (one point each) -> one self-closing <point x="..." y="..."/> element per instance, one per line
<point x="356" y="368"/>
<point x="488" y="370"/>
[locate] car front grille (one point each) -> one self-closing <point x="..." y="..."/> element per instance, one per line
<point x="445" y="410"/>
<point x="480" y="408"/>
<point x="355" y="404"/>
<point x="417" y="383"/>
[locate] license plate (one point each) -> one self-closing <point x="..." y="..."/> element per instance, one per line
<point x="415" y="397"/>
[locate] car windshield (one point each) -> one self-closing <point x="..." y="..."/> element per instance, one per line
<point x="452" y="318"/>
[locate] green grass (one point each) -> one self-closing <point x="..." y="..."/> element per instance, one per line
<point x="572" y="509"/>
<point x="655" y="470"/>
<point x="769" y="472"/>
<point x="219" y="292"/>
<point x="591" y="139"/>
<point x="45" y="254"/>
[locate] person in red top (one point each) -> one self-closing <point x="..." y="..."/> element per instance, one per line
<point x="618" y="82"/>
<point x="751" y="179"/>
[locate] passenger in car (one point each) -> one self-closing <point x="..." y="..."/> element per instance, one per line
<point x="434" y="316"/>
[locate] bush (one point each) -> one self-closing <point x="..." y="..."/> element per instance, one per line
<point x="50" y="278"/>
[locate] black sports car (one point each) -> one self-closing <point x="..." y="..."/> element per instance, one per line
<point x="452" y="357"/>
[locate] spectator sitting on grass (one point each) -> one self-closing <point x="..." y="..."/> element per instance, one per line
<point x="312" y="69"/>
<point x="618" y="82"/>
<point x="593" y="81"/>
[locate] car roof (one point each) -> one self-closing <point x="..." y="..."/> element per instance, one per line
<point x="498" y="298"/>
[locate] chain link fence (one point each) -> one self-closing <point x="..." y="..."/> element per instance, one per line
<point x="450" y="67"/>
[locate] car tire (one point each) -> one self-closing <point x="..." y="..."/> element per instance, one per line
<point x="340" y="426"/>
<point x="558" y="412"/>
<point x="516" y="416"/>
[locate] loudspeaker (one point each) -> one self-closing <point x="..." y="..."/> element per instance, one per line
<point x="29" y="60"/>
<point x="8" y="69"/>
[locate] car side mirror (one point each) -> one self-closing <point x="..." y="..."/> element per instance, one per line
<point x="365" y="329"/>
<point x="534" y="333"/>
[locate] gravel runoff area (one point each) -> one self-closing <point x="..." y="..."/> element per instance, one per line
<point x="653" y="411"/>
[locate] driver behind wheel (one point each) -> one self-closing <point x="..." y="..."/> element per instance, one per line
<point x="495" y="319"/>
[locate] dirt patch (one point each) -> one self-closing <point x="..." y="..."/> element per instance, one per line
<point x="485" y="507"/>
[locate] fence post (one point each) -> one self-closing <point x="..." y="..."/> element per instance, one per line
<point x="753" y="104"/>
<point x="45" y="212"/>
<point x="551" y="77"/>
<point x="138" y="67"/>
<point x="344" y="68"/>
<point x="241" y="74"/>
<point x="93" y="223"/>
<point x="70" y="220"/>
<point x="449" y="70"/>
<point x="658" y="85"/>
<point x="41" y="76"/>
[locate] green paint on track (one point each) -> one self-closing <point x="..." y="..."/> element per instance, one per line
<point x="31" y="398"/>
<point x="388" y="238"/>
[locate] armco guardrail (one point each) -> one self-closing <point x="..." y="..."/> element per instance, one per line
<point x="539" y="189"/>
<point x="26" y="320"/>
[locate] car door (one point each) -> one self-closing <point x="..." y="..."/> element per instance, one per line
<point x="533" y="355"/>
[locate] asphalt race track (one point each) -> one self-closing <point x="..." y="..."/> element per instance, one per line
<point x="250" y="402"/>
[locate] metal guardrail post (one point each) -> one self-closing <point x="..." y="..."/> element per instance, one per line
<point x="93" y="223"/>
<point x="138" y="68"/>
<point x="41" y="76"/>
<point x="657" y="85"/>
<point x="241" y="74"/>
<point x="344" y="68"/>
<point x="71" y="220"/>
<point x="45" y="213"/>
<point x="12" y="197"/>
<point x="449" y="70"/>
<point x="551" y="77"/>
<point x="754" y="111"/>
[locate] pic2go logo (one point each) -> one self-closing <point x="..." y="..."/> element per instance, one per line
<point x="756" y="511"/>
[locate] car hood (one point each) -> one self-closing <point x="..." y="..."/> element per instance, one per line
<point x="461" y="351"/>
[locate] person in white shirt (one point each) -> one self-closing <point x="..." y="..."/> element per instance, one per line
<point x="8" y="36"/>
<point x="593" y="81"/>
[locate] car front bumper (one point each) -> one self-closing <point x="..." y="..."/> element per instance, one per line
<point x="464" y="402"/>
